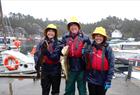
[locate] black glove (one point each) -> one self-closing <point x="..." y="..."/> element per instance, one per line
<point x="38" y="75"/>
<point x="37" y="68"/>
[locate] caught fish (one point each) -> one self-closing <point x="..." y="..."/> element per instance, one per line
<point x="64" y="61"/>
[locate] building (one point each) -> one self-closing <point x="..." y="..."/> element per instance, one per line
<point x="116" y="34"/>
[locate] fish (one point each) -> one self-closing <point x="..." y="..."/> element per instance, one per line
<point x="64" y="61"/>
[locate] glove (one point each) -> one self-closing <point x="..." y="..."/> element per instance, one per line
<point x="37" y="67"/>
<point x="38" y="75"/>
<point x="38" y="71"/>
<point x="107" y="85"/>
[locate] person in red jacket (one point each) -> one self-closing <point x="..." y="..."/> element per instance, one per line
<point x="75" y="39"/>
<point x="100" y="63"/>
<point x="47" y="56"/>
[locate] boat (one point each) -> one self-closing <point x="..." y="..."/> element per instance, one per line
<point x="11" y="59"/>
<point x="127" y="51"/>
<point x="10" y="43"/>
<point x="14" y="62"/>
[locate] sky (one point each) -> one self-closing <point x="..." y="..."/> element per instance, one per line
<point x="87" y="11"/>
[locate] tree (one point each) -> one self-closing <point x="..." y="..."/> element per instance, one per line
<point x="129" y="28"/>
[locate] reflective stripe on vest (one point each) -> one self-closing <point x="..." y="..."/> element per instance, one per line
<point x="99" y="61"/>
<point x="75" y="47"/>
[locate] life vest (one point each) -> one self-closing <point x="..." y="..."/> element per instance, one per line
<point x="98" y="61"/>
<point x="75" y="46"/>
<point x="46" y="59"/>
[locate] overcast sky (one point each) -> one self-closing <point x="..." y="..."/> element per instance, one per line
<point x="87" y="11"/>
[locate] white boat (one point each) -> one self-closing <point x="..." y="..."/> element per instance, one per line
<point x="25" y="63"/>
<point x="126" y="51"/>
<point x="9" y="43"/>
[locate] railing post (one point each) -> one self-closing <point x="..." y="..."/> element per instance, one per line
<point x="129" y="70"/>
<point x="10" y="89"/>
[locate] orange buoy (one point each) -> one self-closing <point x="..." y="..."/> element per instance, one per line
<point x="17" y="43"/>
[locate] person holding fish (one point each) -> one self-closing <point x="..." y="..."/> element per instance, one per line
<point x="75" y="41"/>
<point x="47" y="56"/>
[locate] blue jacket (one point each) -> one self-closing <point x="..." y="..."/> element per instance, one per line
<point x="101" y="77"/>
<point x="54" y="56"/>
<point x="76" y="64"/>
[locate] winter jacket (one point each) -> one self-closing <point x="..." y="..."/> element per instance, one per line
<point x="48" y="59"/>
<point x="100" y="76"/>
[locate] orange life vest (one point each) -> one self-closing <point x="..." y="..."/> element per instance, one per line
<point x="75" y="47"/>
<point x="96" y="60"/>
<point x="46" y="59"/>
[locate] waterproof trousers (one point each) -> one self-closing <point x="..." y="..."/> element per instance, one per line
<point x="96" y="89"/>
<point x="74" y="77"/>
<point x="48" y="81"/>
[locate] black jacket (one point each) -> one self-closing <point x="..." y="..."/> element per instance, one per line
<point x="54" y="56"/>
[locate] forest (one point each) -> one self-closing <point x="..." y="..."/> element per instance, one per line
<point x="17" y="24"/>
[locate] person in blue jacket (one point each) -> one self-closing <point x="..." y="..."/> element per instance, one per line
<point x="76" y="41"/>
<point x="100" y="63"/>
<point x="47" y="56"/>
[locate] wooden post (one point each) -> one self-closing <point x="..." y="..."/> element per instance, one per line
<point x="129" y="70"/>
<point x="10" y="89"/>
